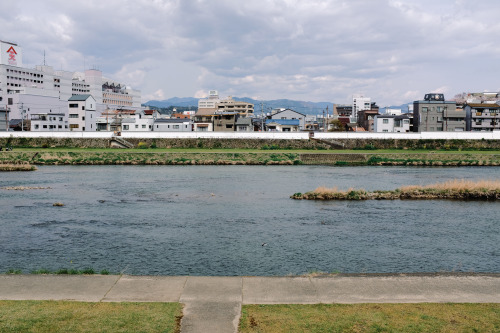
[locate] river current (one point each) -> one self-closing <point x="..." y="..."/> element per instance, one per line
<point x="239" y="220"/>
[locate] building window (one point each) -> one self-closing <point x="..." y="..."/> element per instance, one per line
<point x="136" y="126"/>
<point x="125" y="127"/>
<point x="74" y="126"/>
<point x="73" y="105"/>
<point x="175" y="126"/>
<point x="385" y="131"/>
<point x="144" y="126"/>
<point x="72" y="115"/>
<point x="83" y="118"/>
<point x="36" y="126"/>
<point x="385" y="121"/>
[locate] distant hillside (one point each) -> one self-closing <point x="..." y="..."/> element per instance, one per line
<point x="175" y="101"/>
<point x="299" y="106"/>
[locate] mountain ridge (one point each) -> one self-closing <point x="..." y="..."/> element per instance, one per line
<point x="304" y="107"/>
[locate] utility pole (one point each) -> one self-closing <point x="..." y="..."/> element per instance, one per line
<point x="22" y="117"/>
<point x="262" y="115"/>
<point x="6" y="118"/>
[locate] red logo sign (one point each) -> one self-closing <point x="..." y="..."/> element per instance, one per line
<point x="12" y="56"/>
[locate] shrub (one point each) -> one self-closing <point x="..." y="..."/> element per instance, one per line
<point x="142" y="145"/>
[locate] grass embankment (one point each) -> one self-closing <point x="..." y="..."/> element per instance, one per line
<point x="63" y="316"/>
<point x="196" y="156"/>
<point x="422" y="317"/>
<point x="147" y="157"/>
<point x="453" y="189"/>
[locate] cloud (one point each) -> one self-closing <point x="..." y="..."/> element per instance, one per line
<point x="319" y="50"/>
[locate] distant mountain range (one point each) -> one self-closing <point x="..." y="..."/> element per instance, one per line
<point x="315" y="108"/>
<point x="299" y="106"/>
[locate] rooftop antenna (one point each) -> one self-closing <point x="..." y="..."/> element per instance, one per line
<point x="44" y="58"/>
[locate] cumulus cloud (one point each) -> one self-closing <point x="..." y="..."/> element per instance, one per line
<point x="318" y="50"/>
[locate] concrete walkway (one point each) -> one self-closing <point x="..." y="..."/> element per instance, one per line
<point x="213" y="304"/>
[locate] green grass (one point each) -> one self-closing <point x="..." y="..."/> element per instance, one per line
<point x="63" y="316"/>
<point x="422" y="317"/>
<point x="239" y="150"/>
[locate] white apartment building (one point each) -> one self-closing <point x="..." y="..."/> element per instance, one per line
<point x="391" y="124"/>
<point x="82" y="113"/>
<point x="210" y="102"/>
<point x="25" y="91"/>
<point x="49" y="122"/>
<point x="138" y="122"/>
<point x="359" y="103"/>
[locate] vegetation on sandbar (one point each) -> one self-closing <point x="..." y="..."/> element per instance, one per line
<point x="453" y="189"/>
<point x="17" y="167"/>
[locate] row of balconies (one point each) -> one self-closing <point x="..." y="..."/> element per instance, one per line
<point x="487" y="115"/>
<point x="486" y="124"/>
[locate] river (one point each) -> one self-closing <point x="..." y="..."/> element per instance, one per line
<point x="239" y="220"/>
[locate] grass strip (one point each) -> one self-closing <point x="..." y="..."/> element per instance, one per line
<point x="457" y="189"/>
<point x="64" y="316"/>
<point x="421" y="317"/>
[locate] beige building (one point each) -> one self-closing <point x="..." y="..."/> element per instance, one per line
<point x="220" y="115"/>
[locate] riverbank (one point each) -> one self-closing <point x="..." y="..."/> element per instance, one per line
<point x="214" y="303"/>
<point x="108" y="156"/>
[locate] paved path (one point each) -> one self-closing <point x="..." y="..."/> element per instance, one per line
<point x="213" y="304"/>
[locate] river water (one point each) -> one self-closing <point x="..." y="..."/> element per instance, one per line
<point x="239" y="220"/>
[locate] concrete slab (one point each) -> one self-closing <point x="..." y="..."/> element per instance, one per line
<point x="147" y="289"/>
<point x="279" y="290"/>
<point x="212" y="289"/>
<point x="220" y="317"/>
<point x="410" y="289"/>
<point x="55" y="287"/>
<point x="211" y="304"/>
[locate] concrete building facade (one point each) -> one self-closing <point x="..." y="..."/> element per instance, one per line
<point x="49" y="122"/>
<point x="482" y="117"/>
<point x="434" y="114"/>
<point x="42" y="89"/>
<point x="82" y="113"/>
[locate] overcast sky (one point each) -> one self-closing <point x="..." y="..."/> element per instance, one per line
<point x="393" y="51"/>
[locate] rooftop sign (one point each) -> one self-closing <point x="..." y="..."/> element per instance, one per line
<point x="11" y="54"/>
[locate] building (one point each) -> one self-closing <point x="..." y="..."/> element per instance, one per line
<point x="173" y="125"/>
<point x="244" y="125"/>
<point x="42" y="89"/>
<point x="391" y="124"/>
<point x="219" y="115"/>
<point x="360" y="103"/>
<point x="291" y="115"/>
<point x="49" y="122"/>
<point x="433" y="114"/>
<point x="138" y="121"/>
<point x="482" y="117"/>
<point x="111" y="120"/>
<point x="82" y="113"/>
<point x="4" y="119"/>
<point x="282" y="125"/>
<point x="366" y="119"/>
<point x="342" y="110"/>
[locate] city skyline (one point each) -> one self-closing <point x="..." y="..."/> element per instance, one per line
<point x="320" y="51"/>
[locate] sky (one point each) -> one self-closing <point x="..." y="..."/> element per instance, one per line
<point x="393" y="51"/>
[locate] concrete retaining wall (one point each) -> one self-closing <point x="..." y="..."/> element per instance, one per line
<point x="263" y="135"/>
